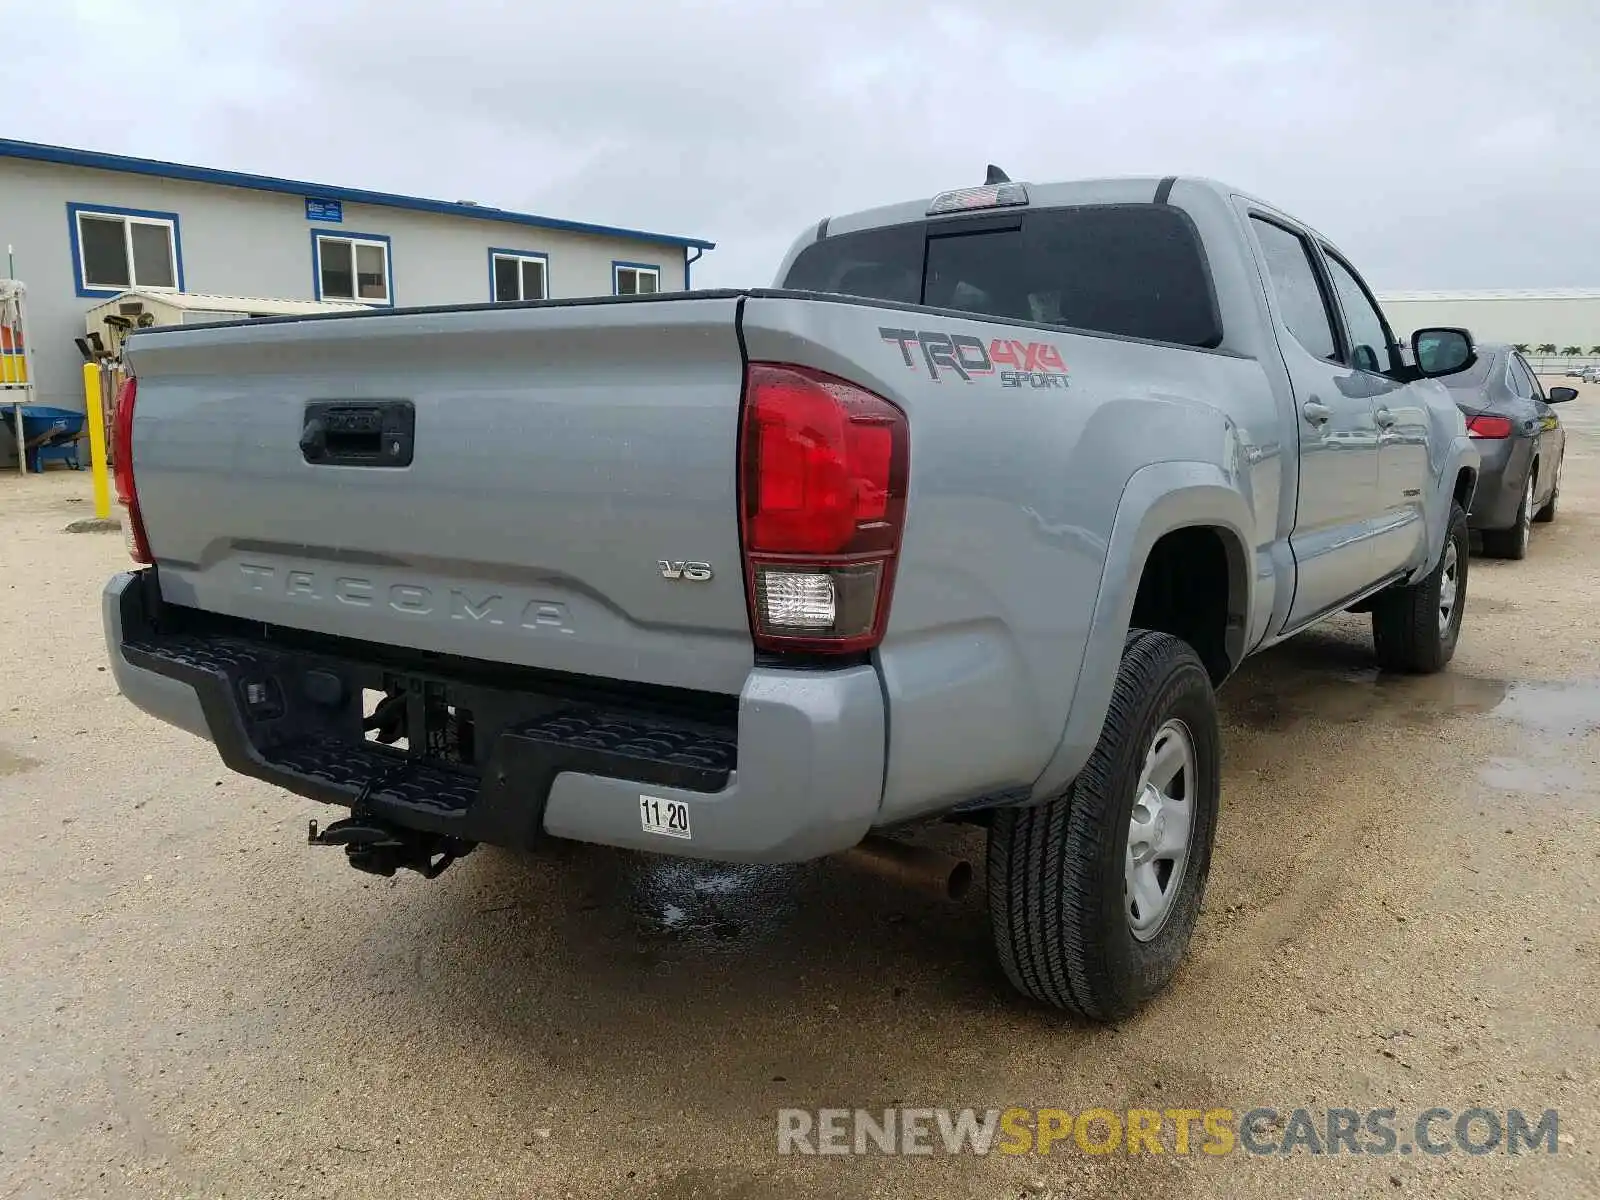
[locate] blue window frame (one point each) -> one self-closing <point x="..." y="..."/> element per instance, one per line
<point x="518" y="275"/>
<point x="635" y="279"/>
<point x="118" y="249"/>
<point x="352" y="266"/>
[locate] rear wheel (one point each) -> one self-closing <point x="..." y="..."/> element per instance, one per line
<point x="1548" y="513"/>
<point x="1513" y="542"/>
<point x="1093" y="896"/>
<point x="1415" y="628"/>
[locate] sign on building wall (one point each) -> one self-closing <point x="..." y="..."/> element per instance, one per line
<point x="324" y="210"/>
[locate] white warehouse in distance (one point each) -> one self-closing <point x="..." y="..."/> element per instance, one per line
<point x="1559" y="317"/>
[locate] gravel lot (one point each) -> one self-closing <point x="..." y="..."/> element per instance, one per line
<point x="193" y="1003"/>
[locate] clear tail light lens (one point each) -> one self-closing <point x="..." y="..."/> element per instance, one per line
<point x="823" y="467"/>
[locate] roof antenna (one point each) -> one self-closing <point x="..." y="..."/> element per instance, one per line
<point x="996" y="175"/>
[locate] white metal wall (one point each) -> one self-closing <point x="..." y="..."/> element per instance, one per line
<point x="1533" y="321"/>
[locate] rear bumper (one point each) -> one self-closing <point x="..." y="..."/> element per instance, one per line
<point x="1502" y="476"/>
<point x="792" y="770"/>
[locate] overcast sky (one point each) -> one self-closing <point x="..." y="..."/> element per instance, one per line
<point x="1441" y="145"/>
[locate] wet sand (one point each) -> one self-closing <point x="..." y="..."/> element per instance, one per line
<point x="1402" y="911"/>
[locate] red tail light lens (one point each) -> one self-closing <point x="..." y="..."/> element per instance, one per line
<point x="1484" y="426"/>
<point x="122" y="468"/>
<point x="822" y="470"/>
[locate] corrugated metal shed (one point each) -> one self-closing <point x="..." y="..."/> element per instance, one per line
<point x="254" y="306"/>
<point x="111" y="320"/>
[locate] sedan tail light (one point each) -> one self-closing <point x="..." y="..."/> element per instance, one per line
<point x="1485" y="425"/>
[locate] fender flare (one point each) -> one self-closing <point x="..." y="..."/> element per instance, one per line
<point x="1157" y="499"/>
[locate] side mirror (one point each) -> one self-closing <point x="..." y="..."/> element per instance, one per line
<point x="1442" y="351"/>
<point x="1560" y="395"/>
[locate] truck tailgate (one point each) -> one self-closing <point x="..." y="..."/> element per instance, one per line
<point x="560" y="455"/>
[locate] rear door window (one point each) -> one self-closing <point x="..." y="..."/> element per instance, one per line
<point x="1523" y="380"/>
<point x="1134" y="270"/>
<point x="1302" y="304"/>
<point x="1370" y="343"/>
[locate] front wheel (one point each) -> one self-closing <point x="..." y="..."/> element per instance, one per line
<point x="1093" y="896"/>
<point x="1415" y="628"/>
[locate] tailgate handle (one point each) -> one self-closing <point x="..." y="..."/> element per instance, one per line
<point x="368" y="434"/>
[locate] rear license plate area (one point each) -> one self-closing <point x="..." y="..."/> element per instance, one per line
<point x="421" y="718"/>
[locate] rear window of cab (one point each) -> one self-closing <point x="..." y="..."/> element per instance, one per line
<point x="1131" y="270"/>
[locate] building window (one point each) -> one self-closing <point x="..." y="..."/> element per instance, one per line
<point x="353" y="267"/>
<point x="116" y="249"/>
<point x="635" y="279"/>
<point x="518" y="275"/>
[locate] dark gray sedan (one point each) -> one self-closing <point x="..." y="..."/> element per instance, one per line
<point x="1521" y="440"/>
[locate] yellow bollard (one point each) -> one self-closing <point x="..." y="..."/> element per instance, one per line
<point x="93" y="407"/>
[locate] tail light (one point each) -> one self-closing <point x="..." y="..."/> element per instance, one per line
<point x="122" y="466"/>
<point x="1486" y="426"/>
<point x="822" y="481"/>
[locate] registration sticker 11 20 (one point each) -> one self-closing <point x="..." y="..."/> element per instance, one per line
<point x="670" y="818"/>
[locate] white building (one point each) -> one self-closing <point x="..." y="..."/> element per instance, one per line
<point x="1562" y="318"/>
<point x="84" y="227"/>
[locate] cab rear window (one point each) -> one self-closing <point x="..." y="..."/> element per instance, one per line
<point x="1134" y="270"/>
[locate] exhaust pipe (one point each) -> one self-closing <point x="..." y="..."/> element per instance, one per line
<point x="917" y="866"/>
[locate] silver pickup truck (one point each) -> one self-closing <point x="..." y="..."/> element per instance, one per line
<point x="966" y="519"/>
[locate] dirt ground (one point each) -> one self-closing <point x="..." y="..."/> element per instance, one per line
<point x="1403" y="912"/>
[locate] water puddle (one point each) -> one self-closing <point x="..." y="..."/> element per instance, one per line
<point x="1359" y="694"/>
<point x="1536" y="779"/>
<point x="12" y="763"/>
<point x="1565" y="709"/>
<point x="707" y="904"/>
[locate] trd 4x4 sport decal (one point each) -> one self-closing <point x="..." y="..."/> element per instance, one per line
<point x="1019" y="364"/>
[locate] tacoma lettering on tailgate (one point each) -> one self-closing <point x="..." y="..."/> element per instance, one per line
<point x="414" y="600"/>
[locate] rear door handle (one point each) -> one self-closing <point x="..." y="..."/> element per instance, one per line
<point x="1317" y="414"/>
<point x="1385" y="418"/>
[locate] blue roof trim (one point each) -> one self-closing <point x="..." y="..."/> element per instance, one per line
<point x="66" y="156"/>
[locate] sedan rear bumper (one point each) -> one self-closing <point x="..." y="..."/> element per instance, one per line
<point x="1502" y="478"/>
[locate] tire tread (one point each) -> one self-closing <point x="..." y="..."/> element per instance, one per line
<point x="1405" y="623"/>
<point x="1044" y="903"/>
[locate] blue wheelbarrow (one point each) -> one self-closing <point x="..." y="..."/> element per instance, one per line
<point x="48" y="434"/>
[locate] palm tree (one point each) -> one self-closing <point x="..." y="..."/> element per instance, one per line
<point x="1547" y="348"/>
<point x="1522" y="348"/>
<point x="1571" y="351"/>
<point x="1594" y="349"/>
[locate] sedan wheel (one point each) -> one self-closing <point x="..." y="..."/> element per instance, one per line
<point x="1513" y="542"/>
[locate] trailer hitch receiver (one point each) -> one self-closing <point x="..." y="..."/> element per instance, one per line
<point x="380" y="848"/>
